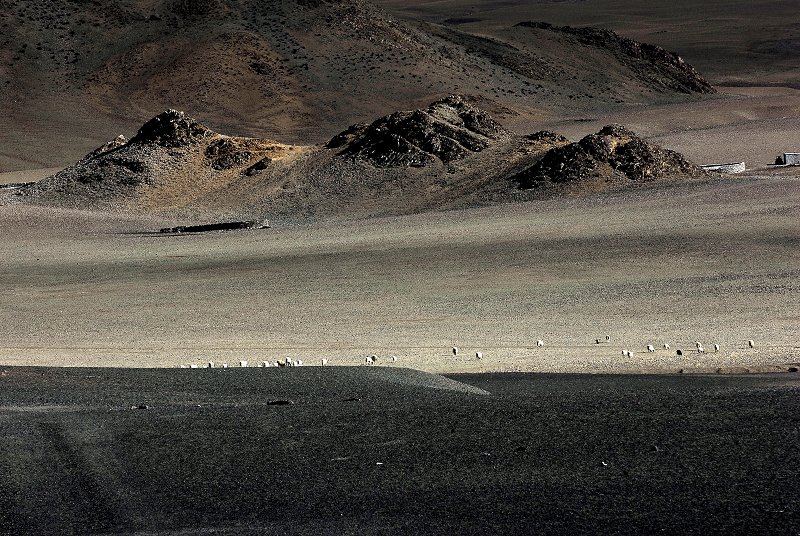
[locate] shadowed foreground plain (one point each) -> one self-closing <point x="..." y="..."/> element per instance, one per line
<point x="378" y="451"/>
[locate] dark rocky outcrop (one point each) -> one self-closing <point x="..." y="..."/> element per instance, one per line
<point x="614" y="153"/>
<point x="171" y="129"/>
<point x="447" y="130"/>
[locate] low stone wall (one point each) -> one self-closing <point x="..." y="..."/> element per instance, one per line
<point x="734" y="167"/>
<point x="222" y="226"/>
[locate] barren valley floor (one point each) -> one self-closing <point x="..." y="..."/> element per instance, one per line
<point x="714" y="261"/>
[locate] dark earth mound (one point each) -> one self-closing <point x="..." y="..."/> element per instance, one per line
<point x="447" y="130"/>
<point x="614" y="154"/>
<point x="385" y="451"/>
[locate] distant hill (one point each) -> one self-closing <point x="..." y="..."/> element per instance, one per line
<point x="73" y="74"/>
<point x="451" y="154"/>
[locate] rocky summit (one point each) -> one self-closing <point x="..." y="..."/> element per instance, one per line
<point x="447" y="130"/>
<point x="171" y="129"/>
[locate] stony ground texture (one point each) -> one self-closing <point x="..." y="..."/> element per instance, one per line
<point x="714" y="261"/>
<point x="377" y="451"/>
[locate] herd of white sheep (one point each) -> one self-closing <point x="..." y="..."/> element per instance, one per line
<point x="373" y="359"/>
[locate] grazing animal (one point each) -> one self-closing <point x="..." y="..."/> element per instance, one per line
<point x="210" y="364"/>
<point x="539" y="343"/>
<point x="650" y="348"/>
<point x="265" y="364"/>
<point x="224" y="365"/>
<point x="281" y="362"/>
<point x="374" y="358"/>
<point x="394" y="359"/>
<point x="698" y="344"/>
<point x="299" y="363"/>
<point x="751" y="344"/>
<point x="666" y="346"/>
<point x="608" y="338"/>
<point x="597" y="341"/>
<point x="369" y="360"/>
<point x="478" y="355"/>
<point x="324" y="361"/>
<point x="625" y="353"/>
<point x="194" y="365"/>
<point x="679" y="352"/>
<point x="242" y="364"/>
<point x="716" y="348"/>
<point x="455" y="350"/>
<point x="701" y="350"/>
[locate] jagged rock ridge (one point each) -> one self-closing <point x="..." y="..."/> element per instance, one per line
<point x="447" y="130"/>
<point x="614" y="153"/>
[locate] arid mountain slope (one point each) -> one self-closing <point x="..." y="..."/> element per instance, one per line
<point x="450" y="154"/>
<point x="73" y="74"/>
<point x="736" y="42"/>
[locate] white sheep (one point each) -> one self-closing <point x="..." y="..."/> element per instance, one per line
<point x="324" y="361"/>
<point x="265" y="364"/>
<point x="455" y="350"/>
<point x="716" y="348"/>
<point x="210" y="364"/>
<point x="369" y="360"/>
<point x="478" y="355"/>
<point x="701" y="350"/>
<point x="224" y="365"/>
<point x="650" y="348"/>
<point x="625" y="353"/>
<point x="698" y="344"/>
<point x="243" y="363"/>
<point x="394" y="359"/>
<point x="666" y="346"/>
<point x="608" y="338"/>
<point x="299" y="363"/>
<point x="539" y="343"/>
<point x="194" y="365"/>
<point x="751" y="344"/>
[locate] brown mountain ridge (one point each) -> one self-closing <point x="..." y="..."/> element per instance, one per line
<point x="74" y="74"/>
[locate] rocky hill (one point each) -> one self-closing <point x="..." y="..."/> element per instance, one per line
<point x="447" y="130"/>
<point x="613" y="156"/>
<point x="172" y="162"/>
<point x="450" y="154"/>
<point x="295" y="70"/>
